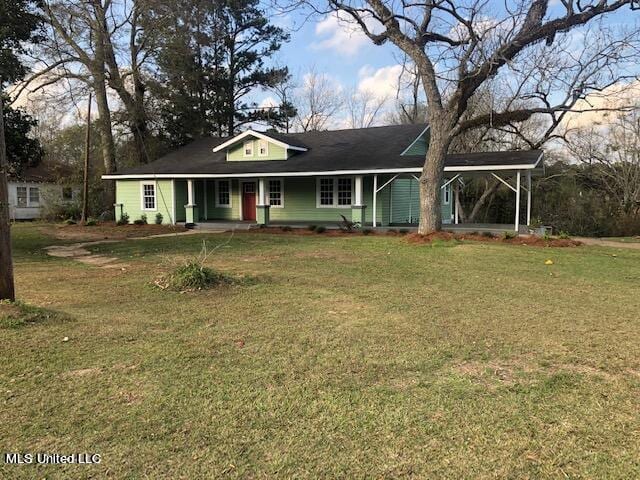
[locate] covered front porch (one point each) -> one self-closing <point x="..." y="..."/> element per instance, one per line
<point x="389" y="200"/>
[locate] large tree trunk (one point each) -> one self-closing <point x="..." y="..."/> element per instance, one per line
<point x="431" y="181"/>
<point x="106" y="134"/>
<point x="7" y="289"/>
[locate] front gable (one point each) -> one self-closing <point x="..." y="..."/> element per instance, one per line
<point x="256" y="146"/>
<point x="255" y="149"/>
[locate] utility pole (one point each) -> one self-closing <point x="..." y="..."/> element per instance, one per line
<point x="7" y="288"/>
<point x="85" y="180"/>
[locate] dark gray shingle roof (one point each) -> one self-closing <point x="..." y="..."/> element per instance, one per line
<point x="356" y="149"/>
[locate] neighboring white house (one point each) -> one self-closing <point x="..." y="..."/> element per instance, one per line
<point x="36" y="188"/>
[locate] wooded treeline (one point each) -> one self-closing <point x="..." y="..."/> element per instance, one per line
<point x="165" y="73"/>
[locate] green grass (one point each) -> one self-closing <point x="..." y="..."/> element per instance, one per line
<point x="358" y="356"/>
<point x="18" y="314"/>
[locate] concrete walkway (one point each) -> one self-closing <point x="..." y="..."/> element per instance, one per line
<point x="80" y="253"/>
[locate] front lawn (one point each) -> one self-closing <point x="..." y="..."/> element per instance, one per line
<point x="346" y="357"/>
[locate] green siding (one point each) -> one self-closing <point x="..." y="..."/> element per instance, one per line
<point x="211" y="212"/>
<point x="419" y="147"/>
<point x="405" y="202"/>
<point x="128" y="193"/>
<point x="398" y="203"/>
<point x="275" y="152"/>
<point x="300" y="203"/>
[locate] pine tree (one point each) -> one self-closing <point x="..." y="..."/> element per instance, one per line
<point x="213" y="57"/>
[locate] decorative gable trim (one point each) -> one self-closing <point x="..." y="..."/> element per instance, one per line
<point x="259" y="135"/>
<point x="416" y="140"/>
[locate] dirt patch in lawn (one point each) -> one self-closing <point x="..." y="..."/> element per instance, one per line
<point x="18" y="314"/>
<point x="510" y="372"/>
<point x="109" y="231"/>
<point x="528" y="240"/>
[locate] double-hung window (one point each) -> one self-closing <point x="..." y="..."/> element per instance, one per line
<point x="248" y="148"/>
<point x="223" y="193"/>
<point x="275" y="193"/>
<point x="325" y="192"/>
<point x="21" y="193"/>
<point x="334" y="192"/>
<point x="34" y="196"/>
<point x="344" y="191"/>
<point x="263" y="148"/>
<point x="148" y="196"/>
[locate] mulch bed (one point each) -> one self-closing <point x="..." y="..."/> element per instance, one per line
<point x="528" y="240"/>
<point x="416" y="238"/>
<point x="111" y="231"/>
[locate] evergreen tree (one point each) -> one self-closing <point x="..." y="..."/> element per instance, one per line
<point x="213" y="57"/>
<point x="22" y="149"/>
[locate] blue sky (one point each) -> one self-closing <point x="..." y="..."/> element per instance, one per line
<point x="343" y="53"/>
<point x="338" y="50"/>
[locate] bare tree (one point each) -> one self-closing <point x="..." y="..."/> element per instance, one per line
<point x="613" y="152"/>
<point x="87" y="42"/>
<point x="317" y="102"/>
<point x="363" y="107"/>
<point x="457" y="47"/>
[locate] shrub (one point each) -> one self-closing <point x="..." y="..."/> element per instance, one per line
<point x="367" y="231"/>
<point x="320" y="229"/>
<point x="564" y="235"/>
<point x="508" y="235"/>
<point x="312" y="227"/>
<point x="124" y="219"/>
<point x="159" y="218"/>
<point x="92" y="222"/>
<point x="487" y="234"/>
<point x="193" y="276"/>
<point x="286" y="228"/>
<point x="141" y="221"/>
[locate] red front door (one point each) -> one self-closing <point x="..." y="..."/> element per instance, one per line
<point x="249" y="201"/>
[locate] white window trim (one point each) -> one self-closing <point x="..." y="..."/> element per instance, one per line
<point x="335" y="193"/>
<point x="244" y="148"/>
<point x="266" y="149"/>
<point x="26" y="204"/>
<point x="155" y="196"/>
<point x="268" y="192"/>
<point x="217" y="194"/>
<point x="29" y="202"/>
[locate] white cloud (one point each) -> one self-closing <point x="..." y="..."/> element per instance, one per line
<point x="619" y="95"/>
<point x="381" y="83"/>
<point x="268" y="102"/>
<point x="338" y="33"/>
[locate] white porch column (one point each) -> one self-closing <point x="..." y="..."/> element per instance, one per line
<point x="375" y="197"/>
<point x="517" y="222"/>
<point x="358" y="185"/>
<point x="261" y="192"/>
<point x="190" y="199"/>
<point x="528" y="197"/>
<point x="206" y="214"/>
<point x="456" y="199"/>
